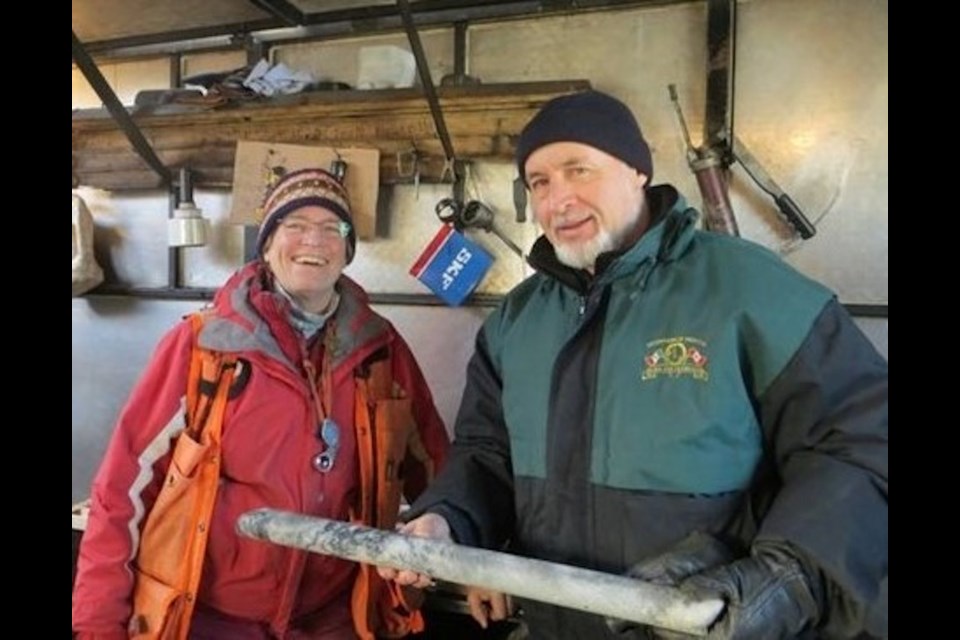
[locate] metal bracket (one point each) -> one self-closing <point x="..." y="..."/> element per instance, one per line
<point x="118" y="111"/>
<point x="456" y="166"/>
<point x="459" y="76"/>
<point x="721" y="45"/>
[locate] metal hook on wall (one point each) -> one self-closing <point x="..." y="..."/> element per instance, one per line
<point x="338" y="168"/>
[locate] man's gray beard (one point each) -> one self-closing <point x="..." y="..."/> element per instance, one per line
<point x="584" y="255"/>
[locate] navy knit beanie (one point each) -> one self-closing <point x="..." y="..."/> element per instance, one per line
<point x="591" y="118"/>
<point x="300" y="189"/>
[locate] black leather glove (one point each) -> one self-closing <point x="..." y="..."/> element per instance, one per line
<point x="694" y="554"/>
<point x="768" y="595"/>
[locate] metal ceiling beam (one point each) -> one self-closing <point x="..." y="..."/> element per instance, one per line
<point x="429" y="89"/>
<point x="117" y="110"/>
<point x="290" y="15"/>
<point x="721" y="33"/>
<point x="351" y="22"/>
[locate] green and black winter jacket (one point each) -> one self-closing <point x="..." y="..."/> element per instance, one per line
<point x="697" y="382"/>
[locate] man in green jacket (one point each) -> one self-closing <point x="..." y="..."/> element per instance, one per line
<point x="675" y="404"/>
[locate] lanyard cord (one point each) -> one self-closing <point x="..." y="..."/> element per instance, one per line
<point x="323" y="404"/>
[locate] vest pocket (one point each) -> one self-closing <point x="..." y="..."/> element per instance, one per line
<point x="166" y="543"/>
<point x="187" y="455"/>
<point x="394" y="424"/>
<point x="157" y="608"/>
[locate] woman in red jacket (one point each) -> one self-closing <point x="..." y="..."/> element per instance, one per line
<point x="334" y="420"/>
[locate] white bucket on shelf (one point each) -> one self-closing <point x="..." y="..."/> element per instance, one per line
<point x="385" y="67"/>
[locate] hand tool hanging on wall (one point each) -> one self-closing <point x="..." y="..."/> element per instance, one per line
<point x="408" y="167"/>
<point x="338" y="169"/>
<point x="560" y="584"/>
<point x="450" y="210"/>
<point x="472" y="215"/>
<point x="520" y="198"/>
<point x="721" y="148"/>
<point x="707" y="165"/>
<point x="791" y="212"/>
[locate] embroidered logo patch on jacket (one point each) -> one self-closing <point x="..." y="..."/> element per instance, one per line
<point x="674" y="357"/>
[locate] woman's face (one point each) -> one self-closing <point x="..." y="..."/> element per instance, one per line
<point x="307" y="253"/>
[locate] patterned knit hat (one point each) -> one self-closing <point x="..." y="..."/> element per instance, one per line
<point x="591" y="118"/>
<point x="303" y="188"/>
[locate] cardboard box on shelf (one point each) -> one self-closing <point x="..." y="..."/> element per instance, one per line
<point x="257" y="162"/>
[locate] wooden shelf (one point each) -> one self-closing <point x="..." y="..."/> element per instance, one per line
<point x="483" y="121"/>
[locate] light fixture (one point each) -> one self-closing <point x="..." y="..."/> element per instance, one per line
<point x="187" y="228"/>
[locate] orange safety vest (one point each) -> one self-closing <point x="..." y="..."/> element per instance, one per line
<point x="173" y="542"/>
<point x="386" y="436"/>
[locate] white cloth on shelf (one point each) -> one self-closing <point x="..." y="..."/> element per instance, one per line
<point x="278" y="79"/>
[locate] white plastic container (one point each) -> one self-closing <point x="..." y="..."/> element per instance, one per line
<point x="385" y="67"/>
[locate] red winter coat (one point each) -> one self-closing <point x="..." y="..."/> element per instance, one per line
<point x="269" y="438"/>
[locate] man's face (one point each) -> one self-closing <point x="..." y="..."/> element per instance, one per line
<point x="586" y="200"/>
<point x="307" y="253"/>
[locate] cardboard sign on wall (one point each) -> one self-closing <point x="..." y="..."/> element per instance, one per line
<point x="256" y="161"/>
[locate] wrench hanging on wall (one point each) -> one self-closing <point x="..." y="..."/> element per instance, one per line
<point x="473" y="215"/>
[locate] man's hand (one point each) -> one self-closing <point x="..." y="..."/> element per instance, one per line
<point x="768" y="594"/>
<point x="694" y="554"/>
<point x="429" y="525"/>
<point x="488" y="605"/>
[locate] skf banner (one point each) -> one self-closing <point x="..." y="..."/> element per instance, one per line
<point x="452" y="265"/>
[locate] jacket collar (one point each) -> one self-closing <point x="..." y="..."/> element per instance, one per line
<point x="668" y="237"/>
<point x="251" y="316"/>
